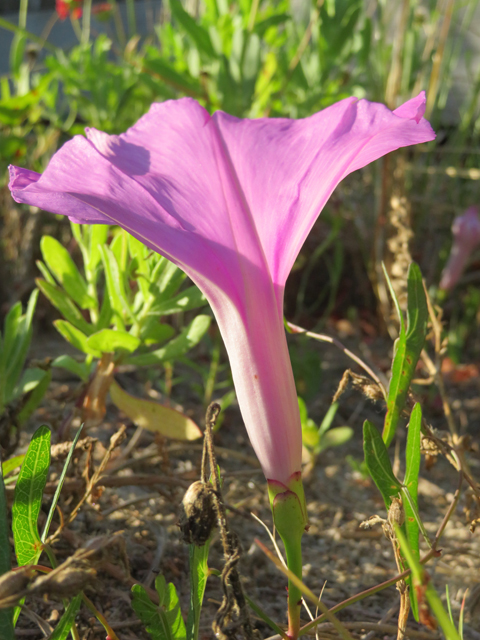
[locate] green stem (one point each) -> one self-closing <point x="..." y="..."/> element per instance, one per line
<point x="293" y="549"/>
<point x="22" y="14"/>
<point x="87" y="18"/>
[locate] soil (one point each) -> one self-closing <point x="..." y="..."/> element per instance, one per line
<point x="340" y="558"/>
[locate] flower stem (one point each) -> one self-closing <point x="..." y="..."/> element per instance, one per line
<point x="290" y="518"/>
<point x="293" y="550"/>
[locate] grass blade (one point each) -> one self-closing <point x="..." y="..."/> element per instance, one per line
<point x="66" y="621"/>
<point x="58" y="490"/>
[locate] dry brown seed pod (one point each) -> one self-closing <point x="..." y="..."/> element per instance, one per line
<point x="199" y="515"/>
<point x="396" y="512"/>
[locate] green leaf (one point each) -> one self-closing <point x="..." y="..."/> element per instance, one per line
<point x="80" y="369"/>
<point x="12" y="463"/>
<point x="272" y="21"/>
<point x="60" y="263"/>
<point x="335" y="438"/>
<point x="115" y="287"/>
<point x="163" y="622"/>
<point x="98" y="235"/>
<point x="28" y="498"/>
<point x="407" y="352"/>
<point x="154" y="332"/>
<point x="111" y="341"/>
<point x="187" y="339"/>
<point x="17" y="338"/>
<point x="198" y="34"/>
<point x="423" y="581"/>
<point x="65" y="305"/>
<point x="198" y="579"/>
<point x="190" y="298"/>
<point x="35" y="397"/>
<point x="378" y="463"/>
<point x="75" y="337"/>
<point x="29" y="380"/>
<point x="45" y="272"/>
<point x="6" y="615"/>
<point x="58" y="490"/>
<point x="328" y="419"/>
<point x="179" y="81"/>
<point x="67" y="620"/>
<point x="412" y="458"/>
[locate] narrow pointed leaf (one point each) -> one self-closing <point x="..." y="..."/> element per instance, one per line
<point x="115" y="287"/>
<point x="65" y="305"/>
<point x="409" y="346"/>
<point x="35" y="397"/>
<point x="412" y="458"/>
<point x="68" y="618"/>
<point x="198" y="34"/>
<point x="80" y="369"/>
<point x="28" y="498"/>
<point x="378" y="463"/>
<point x="75" y="337"/>
<point x="61" y="264"/>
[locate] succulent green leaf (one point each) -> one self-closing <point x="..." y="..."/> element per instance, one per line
<point x="190" y="298"/>
<point x="29" y="380"/>
<point x="154" y="332"/>
<point x="28" y="497"/>
<point x="378" y="463"/>
<point x="61" y="264"/>
<point x="36" y="396"/>
<point x="115" y="287"/>
<point x="80" y="369"/>
<point x="75" y="337"/>
<point x="187" y="339"/>
<point x="65" y="305"/>
<point x="111" y="341"/>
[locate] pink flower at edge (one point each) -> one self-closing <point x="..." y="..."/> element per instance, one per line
<point x="231" y="202"/>
<point x="466" y="237"/>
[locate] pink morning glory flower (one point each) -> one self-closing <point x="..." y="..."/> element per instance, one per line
<point x="466" y="238"/>
<point x="231" y="202"/>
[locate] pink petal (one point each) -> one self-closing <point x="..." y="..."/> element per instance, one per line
<point x="231" y="202"/>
